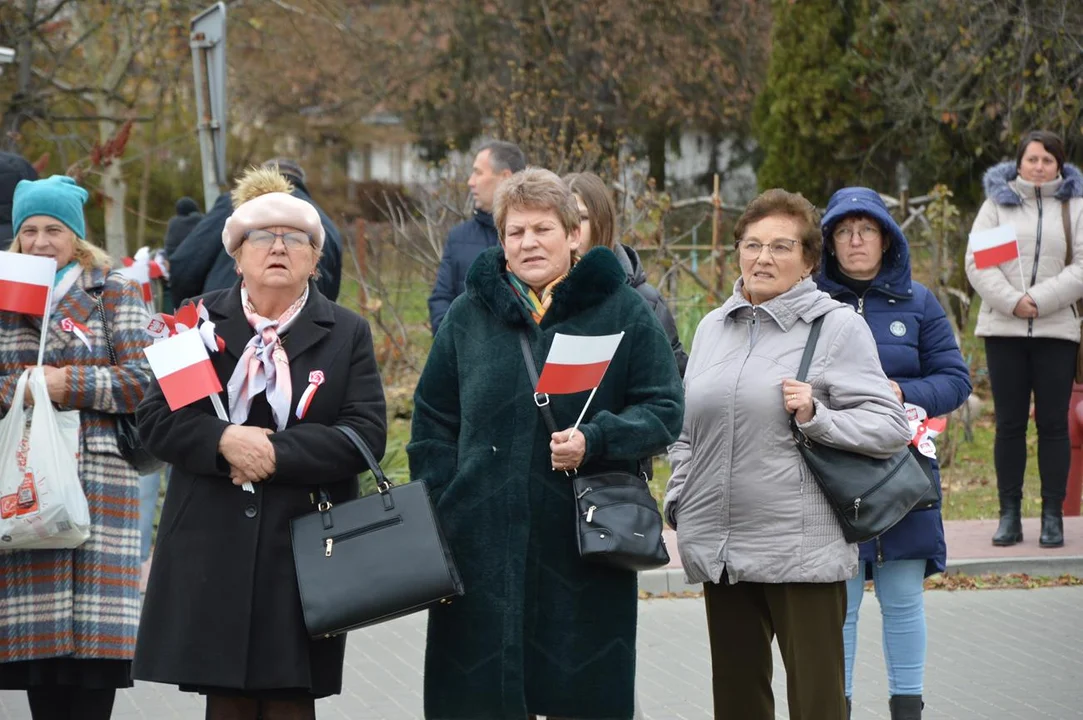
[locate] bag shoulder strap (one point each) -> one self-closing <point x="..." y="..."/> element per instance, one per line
<point x="540" y="399"/>
<point x="381" y="480"/>
<point x="810" y="348"/>
<point x="105" y="327"/>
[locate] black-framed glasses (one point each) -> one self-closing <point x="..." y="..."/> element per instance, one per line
<point x="263" y="239"/>
<point x="778" y="249"/>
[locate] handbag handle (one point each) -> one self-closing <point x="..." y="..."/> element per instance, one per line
<point x="105" y="327"/>
<point x="382" y="483"/>
<point x="542" y="399"/>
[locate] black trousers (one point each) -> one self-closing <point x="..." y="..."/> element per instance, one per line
<point x="70" y="703"/>
<point x="1019" y="367"/>
<point x="806" y="618"/>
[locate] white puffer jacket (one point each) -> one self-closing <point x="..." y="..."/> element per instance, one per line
<point x="1035" y="212"/>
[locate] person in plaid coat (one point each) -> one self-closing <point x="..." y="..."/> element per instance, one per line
<point x="68" y="618"/>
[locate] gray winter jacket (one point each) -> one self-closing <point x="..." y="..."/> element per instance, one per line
<point x="741" y="497"/>
<point x="1041" y="270"/>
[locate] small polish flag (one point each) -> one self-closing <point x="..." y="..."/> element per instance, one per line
<point x="577" y="363"/>
<point x="25" y="282"/>
<point x="183" y="369"/>
<point x="994" y="246"/>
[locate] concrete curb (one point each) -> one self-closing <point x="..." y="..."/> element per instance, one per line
<point x="1049" y="565"/>
<point x="670" y="581"/>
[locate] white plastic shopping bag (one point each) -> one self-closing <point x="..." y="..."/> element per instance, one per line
<point x="42" y="504"/>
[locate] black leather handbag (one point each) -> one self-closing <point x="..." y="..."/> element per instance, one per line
<point x="868" y="495"/>
<point x="373" y="558"/>
<point x="128" y="442"/>
<point x="617" y="518"/>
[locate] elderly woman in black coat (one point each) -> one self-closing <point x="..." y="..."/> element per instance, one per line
<point x="222" y="614"/>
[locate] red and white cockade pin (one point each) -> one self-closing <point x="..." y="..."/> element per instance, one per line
<point x="315" y="379"/>
<point x="78" y="330"/>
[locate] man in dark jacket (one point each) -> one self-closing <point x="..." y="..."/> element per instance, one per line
<point x="493" y="162"/>
<point x="201" y="263"/>
<point x="181" y="225"/>
<point x="13" y="168"/>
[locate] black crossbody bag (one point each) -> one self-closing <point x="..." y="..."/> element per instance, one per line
<point x="128" y="442"/>
<point x="868" y="495"/>
<point x="617" y="519"/>
<point x="373" y="558"/>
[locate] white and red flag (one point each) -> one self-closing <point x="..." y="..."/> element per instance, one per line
<point x="924" y="429"/>
<point x="143" y="268"/>
<point x="577" y="363"/>
<point x="25" y="282"/>
<point x="994" y="246"/>
<point x="183" y="369"/>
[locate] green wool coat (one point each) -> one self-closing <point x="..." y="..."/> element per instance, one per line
<point x="538" y="629"/>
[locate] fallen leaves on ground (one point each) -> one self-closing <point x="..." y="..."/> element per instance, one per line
<point x="996" y="581"/>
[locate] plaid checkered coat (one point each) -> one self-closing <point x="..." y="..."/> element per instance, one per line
<point x="81" y="603"/>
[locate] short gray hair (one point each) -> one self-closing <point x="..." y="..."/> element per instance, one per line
<point x="504" y="156"/>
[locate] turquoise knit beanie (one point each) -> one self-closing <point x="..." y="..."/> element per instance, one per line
<point x="57" y="196"/>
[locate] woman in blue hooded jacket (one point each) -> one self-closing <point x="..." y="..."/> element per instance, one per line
<point x="867" y="264"/>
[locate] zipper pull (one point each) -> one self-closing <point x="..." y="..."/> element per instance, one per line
<point x="861" y="305"/>
<point x="857" y="507"/>
<point x="327" y="545"/>
<point x="879" y="553"/>
<point x="590" y="512"/>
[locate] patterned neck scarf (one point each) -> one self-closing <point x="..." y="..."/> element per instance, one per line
<point x="264" y="365"/>
<point x="536" y="306"/>
<point x="64" y="282"/>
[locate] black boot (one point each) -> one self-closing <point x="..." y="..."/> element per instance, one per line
<point x="849" y="707"/>
<point x="1010" y="530"/>
<point x="906" y="707"/>
<point x="1052" y="525"/>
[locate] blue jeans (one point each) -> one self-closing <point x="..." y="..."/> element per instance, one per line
<point x="899" y="588"/>
<point x="148" y="503"/>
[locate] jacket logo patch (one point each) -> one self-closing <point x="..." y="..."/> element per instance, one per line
<point x="897" y="328"/>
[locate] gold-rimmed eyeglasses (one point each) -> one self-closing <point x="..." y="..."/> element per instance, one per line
<point x="778" y="249"/>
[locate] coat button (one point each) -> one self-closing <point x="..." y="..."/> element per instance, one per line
<point x="250" y="511"/>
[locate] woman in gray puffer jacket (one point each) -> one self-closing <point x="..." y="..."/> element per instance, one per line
<point x="1030" y="322"/>
<point x="752" y="524"/>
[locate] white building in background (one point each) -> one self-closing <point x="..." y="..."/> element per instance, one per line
<point x="398" y="160"/>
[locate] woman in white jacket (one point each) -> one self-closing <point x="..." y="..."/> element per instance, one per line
<point x="1030" y="323"/>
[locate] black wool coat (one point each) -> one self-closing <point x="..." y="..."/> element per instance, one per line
<point x="222" y="608"/>
<point x="538" y="629"/>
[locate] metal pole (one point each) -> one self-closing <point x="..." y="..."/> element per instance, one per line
<point x="205" y="127"/>
<point x="716" y="246"/>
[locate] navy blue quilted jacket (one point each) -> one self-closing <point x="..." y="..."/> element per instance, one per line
<point x="917" y="350"/>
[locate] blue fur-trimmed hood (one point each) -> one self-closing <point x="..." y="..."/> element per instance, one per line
<point x="996" y="179"/>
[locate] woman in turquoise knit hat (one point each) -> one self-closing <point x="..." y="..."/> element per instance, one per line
<point x="69" y="617"/>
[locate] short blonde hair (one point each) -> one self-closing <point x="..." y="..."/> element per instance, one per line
<point x="86" y="254"/>
<point x="535" y="189"/>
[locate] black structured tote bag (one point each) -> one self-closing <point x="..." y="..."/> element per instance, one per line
<point x="371" y="559"/>
<point x="868" y="495"/>
<point x="617" y="518"/>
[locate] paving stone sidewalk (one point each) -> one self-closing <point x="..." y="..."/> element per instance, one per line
<point x="993" y="655"/>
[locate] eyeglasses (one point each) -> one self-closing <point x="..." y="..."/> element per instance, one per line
<point x="778" y="249"/>
<point x="263" y="239"/>
<point x="846" y="234"/>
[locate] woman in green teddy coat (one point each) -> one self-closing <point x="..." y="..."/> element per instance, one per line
<point x="539" y="631"/>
